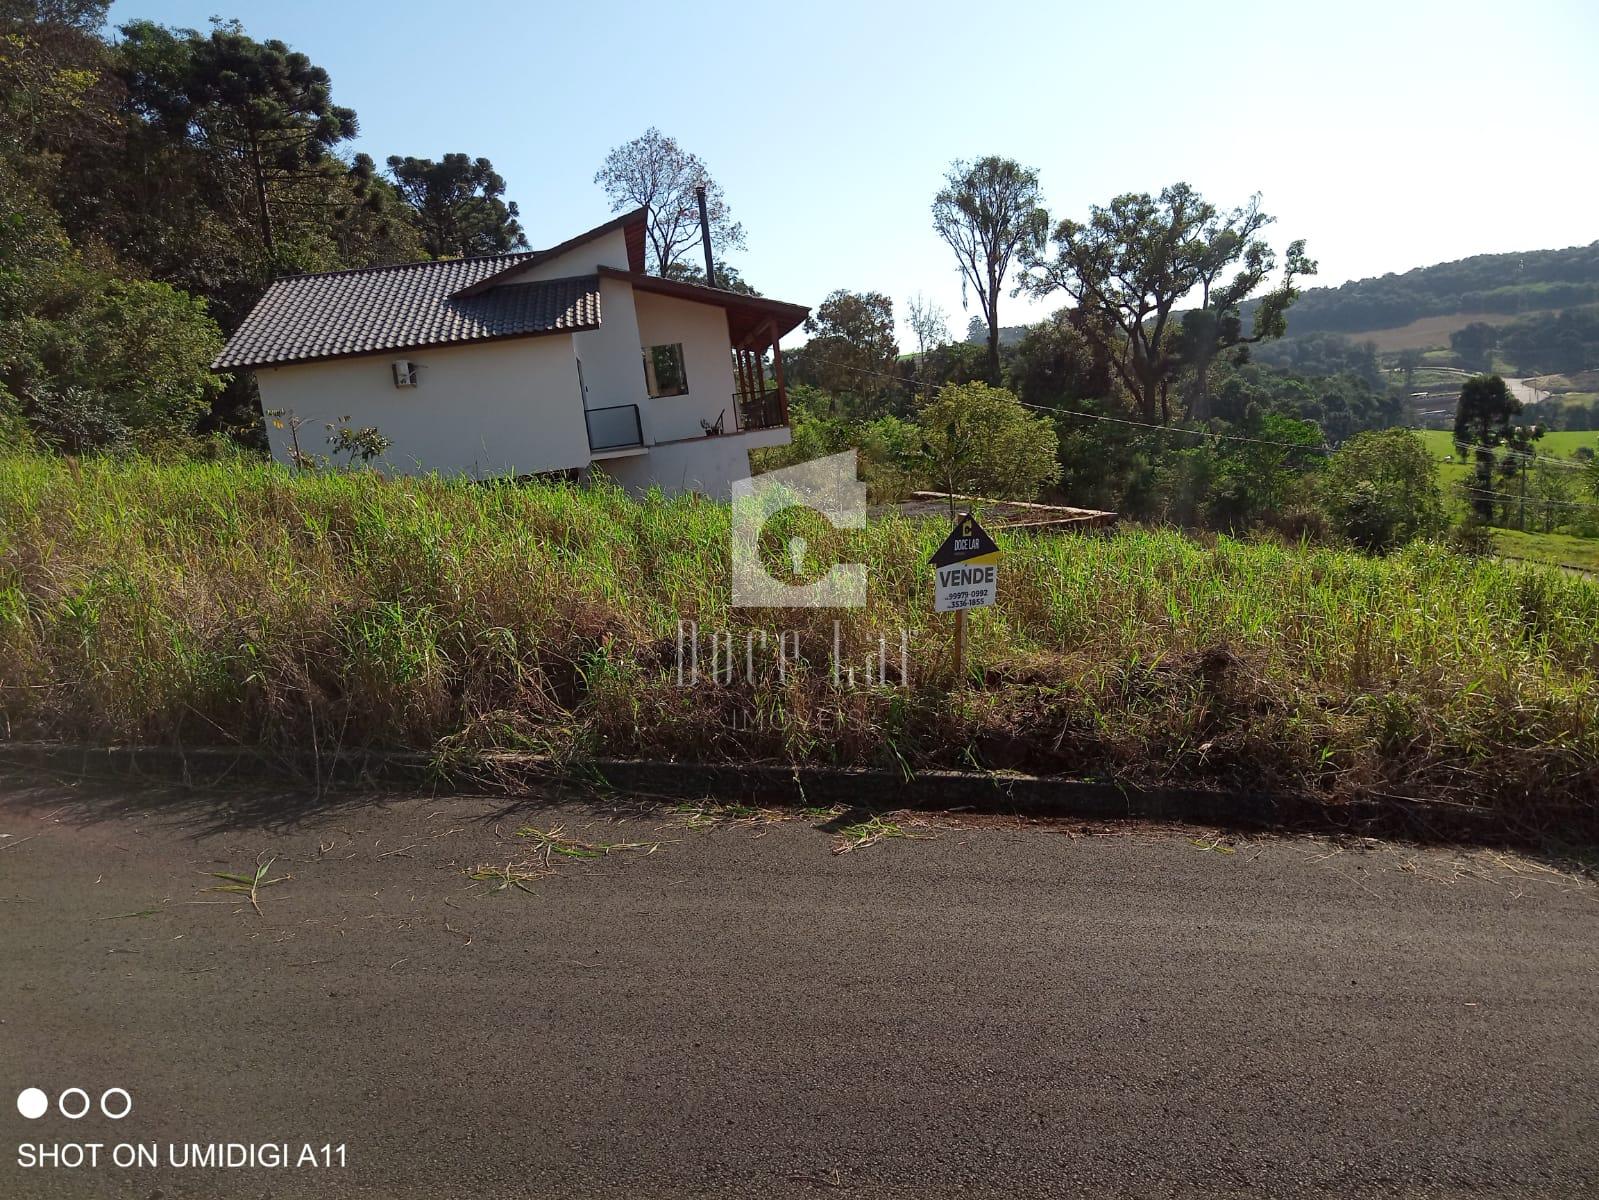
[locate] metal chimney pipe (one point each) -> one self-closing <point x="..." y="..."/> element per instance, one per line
<point x="705" y="236"/>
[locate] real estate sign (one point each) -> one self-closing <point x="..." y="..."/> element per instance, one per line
<point x="965" y="568"/>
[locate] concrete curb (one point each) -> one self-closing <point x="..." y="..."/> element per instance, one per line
<point x="780" y="786"/>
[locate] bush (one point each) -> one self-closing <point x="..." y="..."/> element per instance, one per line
<point x="980" y="441"/>
<point x="75" y="420"/>
<point x="1472" y="540"/>
<point x="1381" y="490"/>
<point x="89" y="360"/>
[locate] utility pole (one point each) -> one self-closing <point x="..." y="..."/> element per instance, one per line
<point x="1523" y="517"/>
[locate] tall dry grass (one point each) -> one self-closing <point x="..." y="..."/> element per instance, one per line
<point x="236" y="604"/>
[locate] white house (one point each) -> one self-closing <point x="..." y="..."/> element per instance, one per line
<point x="572" y="359"/>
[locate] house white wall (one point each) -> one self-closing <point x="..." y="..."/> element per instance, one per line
<point x="613" y="365"/>
<point x="707" y="465"/>
<point x="608" y="250"/>
<point x="485" y="410"/>
<point x="707" y="359"/>
<point x="515" y="407"/>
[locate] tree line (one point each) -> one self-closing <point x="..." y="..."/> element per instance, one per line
<point x="1142" y="394"/>
<point x="1562" y="343"/>
<point x="155" y="182"/>
<point x="1520" y="282"/>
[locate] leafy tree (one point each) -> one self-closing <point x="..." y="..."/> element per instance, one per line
<point x="1134" y="260"/>
<point x="1553" y="343"/>
<point x="1554" y="493"/>
<point x="1474" y="345"/>
<point x="113" y="362"/>
<point x="1409" y="362"/>
<point x="954" y="362"/>
<point x="1109" y="465"/>
<point x="457" y="206"/>
<point x="1342" y="404"/>
<point x="654" y="173"/>
<point x="256" y="108"/>
<point x="1482" y="425"/>
<point x="1217" y="324"/>
<point x="1381" y="489"/>
<point x="1055" y="364"/>
<point x="1323" y="354"/>
<point x="893" y="463"/>
<point x="851" y="352"/>
<point x="980" y="441"/>
<point x="53" y="88"/>
<point x="991" y="213"/>
<point x="728" y="278"/>
<point x="1254" y="479"/>
<point x="84" y="16"/>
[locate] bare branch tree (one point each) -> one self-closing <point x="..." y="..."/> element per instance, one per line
<point x="930" y="326"/>
<point x="654" y="173"/>
<point x="990" y="212"/>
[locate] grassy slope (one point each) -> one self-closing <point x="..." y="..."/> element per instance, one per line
<point x="1426" y="333"/>
<point x="1557" y="548"/>
<point x="1564" y="549"/>
<point x="217" y="603"/>
<point x="1561" y="443"/>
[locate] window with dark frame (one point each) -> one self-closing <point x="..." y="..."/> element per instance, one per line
<point x="664" y="373"/>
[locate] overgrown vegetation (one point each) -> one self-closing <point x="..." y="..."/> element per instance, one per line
<point x="228" y="603"/>
<point x="153" y="182"/>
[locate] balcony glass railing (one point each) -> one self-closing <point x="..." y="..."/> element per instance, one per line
<point x="614" y="428"/>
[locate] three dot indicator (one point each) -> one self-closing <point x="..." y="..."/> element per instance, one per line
<point x="74" y="1103"/>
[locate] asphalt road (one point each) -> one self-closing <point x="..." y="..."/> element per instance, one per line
<point x="988" y="1007"/>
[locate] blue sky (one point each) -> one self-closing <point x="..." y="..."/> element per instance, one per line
<point x="1390" y="135"/>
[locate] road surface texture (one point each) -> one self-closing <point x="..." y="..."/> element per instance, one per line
<point x="984" y="1006"/>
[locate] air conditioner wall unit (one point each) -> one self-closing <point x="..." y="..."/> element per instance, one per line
<point x="404" y="374"/>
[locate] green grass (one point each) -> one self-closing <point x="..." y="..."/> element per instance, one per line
<point x="228" y="604"/>
<point x="1561" y="443"/>
<point x="1562" y="549"/>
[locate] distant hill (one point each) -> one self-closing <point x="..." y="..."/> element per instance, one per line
<point x="1484" y="285"/>
<point x="1009" y="335"/>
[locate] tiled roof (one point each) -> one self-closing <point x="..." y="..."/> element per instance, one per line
<point x="405" y="308"/>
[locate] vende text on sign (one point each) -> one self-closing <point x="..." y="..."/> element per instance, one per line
<point x="965" y="568"/>
<point x="965" y="586"/>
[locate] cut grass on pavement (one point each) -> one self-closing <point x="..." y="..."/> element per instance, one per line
<point x="248" y="885"/>
<point x="868" y="833"/>
<point x="550" y="842"/>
